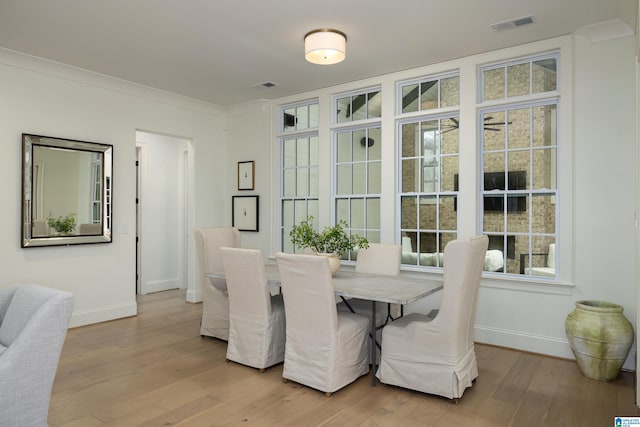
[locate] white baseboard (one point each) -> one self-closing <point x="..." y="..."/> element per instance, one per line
<point x="103" y="314"/>
<point x="541" y="344"/>
<point x="159" y="285"/>
<point x="194" y="295"/>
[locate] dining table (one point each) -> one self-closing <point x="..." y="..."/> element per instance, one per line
<point x="403" y="289"/>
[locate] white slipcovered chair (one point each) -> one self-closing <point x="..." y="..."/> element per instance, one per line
<point x="33" y="325"/>
<point x="325" y="349"/>
<point x="378" y="258"/>
<point x="256" y="318"/>
<point x="437" y="355"/>
<point x="215" y="303"/>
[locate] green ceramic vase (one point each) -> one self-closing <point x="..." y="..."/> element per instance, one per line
<point x="600" y="338"/>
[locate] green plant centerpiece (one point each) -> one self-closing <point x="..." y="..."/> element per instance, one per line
<point x="332" y="241"/>
<point x="63" y="224"/>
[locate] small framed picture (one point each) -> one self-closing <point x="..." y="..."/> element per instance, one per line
<point x="245" y="175"/>
<point x="244" y="213"/>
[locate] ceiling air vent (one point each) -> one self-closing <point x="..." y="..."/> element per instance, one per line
<point x="265" y="84"/>
<point x="514" y="23"/>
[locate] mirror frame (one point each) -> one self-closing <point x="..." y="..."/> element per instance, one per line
<point x="28" y="142"/>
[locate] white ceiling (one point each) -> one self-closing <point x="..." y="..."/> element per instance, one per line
<point x="217" y="50"/>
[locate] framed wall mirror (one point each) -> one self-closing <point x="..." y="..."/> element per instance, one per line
<point x="66" y="191"/>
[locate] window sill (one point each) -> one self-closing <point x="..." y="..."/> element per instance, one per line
<point x="526" y="284"/>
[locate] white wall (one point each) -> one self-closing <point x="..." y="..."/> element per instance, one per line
<point x="249" y="138"/>
<point x="599" y="232"/>
<point x="50" y="99"/>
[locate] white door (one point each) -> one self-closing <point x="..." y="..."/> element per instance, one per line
<point x="162" y="203"/>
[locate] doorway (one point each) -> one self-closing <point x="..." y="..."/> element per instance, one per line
<point x="162" y="208"/>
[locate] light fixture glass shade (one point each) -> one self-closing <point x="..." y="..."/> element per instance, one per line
<point x="325" y="46"/>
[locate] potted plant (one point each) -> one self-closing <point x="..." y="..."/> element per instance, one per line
<point x="332" y="241"/>
<point x="63" y="224"/>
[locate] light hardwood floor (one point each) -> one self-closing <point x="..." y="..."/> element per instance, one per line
<point x="156" y="370"/>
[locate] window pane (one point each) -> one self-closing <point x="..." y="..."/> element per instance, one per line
<point x="375" y="143"/>
<point x="493" y="84"/>
<point x="429" y="95"/>
<point x="543" y="214"/>
<point x="374" y="178"/>
<point x="410" y="140"/>
<point x="428" y="212"/>
<point x="313" y="181"/>
<point x="302" y="115"/>
<point x="518" y="83"/>
<point x="313" y="115"/>
<point x="357" y="213"/>
<point x="287" y="246"/>
<point x="302" y="151"/>
<point x="289" y="119"/>
<point x="449" y="172"/>
<point x="493" y="162"/>
<point x="410" y="175"/>
<point x="373" y="236"/>
<point x="359" y="107"/>
<point x="517" y="221"/>
<point x="300" y="211"/>
<point x="287" y="213"/>
<point x="359" y="178"/>
<point x="343" y="179"/>
<point x="450" y="92"/>
<point x="493" y="218"/>
<point x="288" y="182"/>
<point x="448" y="215"/>
<point x="544" y="169"/>
<point x="342" y="210"/>
<point x="312" y="208"/>
<point x="373" y="213"/>
<point x="289" y="153"/>
<point x="518" y="162"/>
<point x="343" y="151"/>
<point x="313" y="150"/>
<point x="408" y="213"/>
<point x="375" y="104"/>
<point x="494" y="132"/>
<point x="544" y="125"/>
<point x="449" y="136"/>
<point x="409" y="98"/>
<point x="544" y="75"/>
<point x="344" y="108"/>
<point x="519" y="128"/>
<point x="359" y="145"/>
<point x="302" y="182"/>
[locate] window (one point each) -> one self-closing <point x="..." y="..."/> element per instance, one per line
<point x="429" y="94"/>
<point x="358" y="179"/>
<point x="358" y="159"/>
<point x="518" y="144"/>
<point x="358" y="106"/>
<point x="428" y="194"/>
<point x="96" y="188"/>
<point x="299" y="167"/>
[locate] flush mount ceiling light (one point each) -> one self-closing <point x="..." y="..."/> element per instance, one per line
<point x="325" y="46"/>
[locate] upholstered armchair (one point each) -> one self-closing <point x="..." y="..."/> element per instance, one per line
<point x="33" y="325"/>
